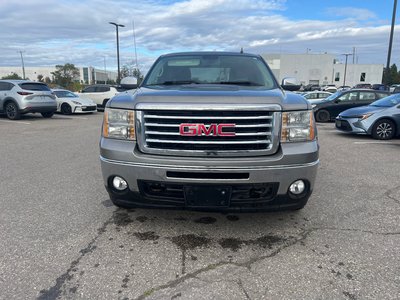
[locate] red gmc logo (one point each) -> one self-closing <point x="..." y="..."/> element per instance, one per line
<point x="187" y="129"/>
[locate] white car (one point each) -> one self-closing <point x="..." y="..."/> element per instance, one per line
<point x="69" y="103"/>
<point x="315" y="96"/>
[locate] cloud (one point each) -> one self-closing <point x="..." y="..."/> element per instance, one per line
<point x="352" y="13"/>
<point x="78" y="32"/>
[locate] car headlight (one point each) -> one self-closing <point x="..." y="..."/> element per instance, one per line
<point x="119" y="124"/>
<point x="365" y="116"/>
<point x="76" y="102"/>
<point x="298" y="126"/>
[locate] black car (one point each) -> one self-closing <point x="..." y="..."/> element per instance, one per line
<point x="329" y="108"/>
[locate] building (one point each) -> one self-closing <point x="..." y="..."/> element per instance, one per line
<point x="322" y="69"/>
<point x="88" y="75"/>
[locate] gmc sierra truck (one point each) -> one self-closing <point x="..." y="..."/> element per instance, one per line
<point x="209" y="130"/>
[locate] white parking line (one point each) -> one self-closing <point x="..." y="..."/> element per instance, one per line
<point x="363" y="143"/>
<point x="15" y="122"/>
<point x="69" y="117"/>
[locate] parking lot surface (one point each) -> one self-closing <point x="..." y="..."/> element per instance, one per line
<point x="62" y="237"/>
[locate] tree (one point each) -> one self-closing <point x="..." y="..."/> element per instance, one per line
<point x="65" y="75"/>
<point x="47" y="80"/>
<point x="40" y="78"/>
<point x="14" y="76"/>
<point x="129" y="69"/>
<point x="391" y="76"/>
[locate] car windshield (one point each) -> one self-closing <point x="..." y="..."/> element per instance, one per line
<point x="387" y="101"/>
<point x="243" y="70"/>
<point x="333" y="96"/>
<point x="65" y="94"/>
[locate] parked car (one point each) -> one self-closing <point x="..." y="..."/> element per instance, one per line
<point x="380" y="87"/>
<point x="381" y="119"/>
<point x="312" y="87"/>
<point x="328" y="109"/>
<point x="68" y="103"/>
<point x="315" y="96"/>
<point x="393" y="86"/>
<point x="331" y="88"/>
<point x="100" y="93"/>
<point x="343" y="88"/>
<point x="18" y="97"/>
<point x="363" y="86"/>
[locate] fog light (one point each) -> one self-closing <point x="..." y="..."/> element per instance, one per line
<point x="297" y="187"/>
<point x="119" y="183"/>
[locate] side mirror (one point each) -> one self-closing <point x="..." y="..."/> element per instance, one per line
<point x="290" y="84"/>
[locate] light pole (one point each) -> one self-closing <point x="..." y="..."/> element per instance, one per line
<point x="390" y="43"/>
<point x="23" y="65"/>
<point x="116" y="28"/>
<point x="345" y="68"/>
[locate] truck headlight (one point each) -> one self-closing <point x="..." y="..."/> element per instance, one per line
<point x="298" y="126"/>
<point x="119" y="124"/>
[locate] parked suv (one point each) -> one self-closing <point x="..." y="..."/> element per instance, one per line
<point x="100" y="93"/>
<point x="329" y="108"/>
<point x="19" y="97"/>
<point x="209" y="130"/>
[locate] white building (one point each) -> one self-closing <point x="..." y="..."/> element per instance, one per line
<point x="88" y="75"/>
<point x="322" y="69"/>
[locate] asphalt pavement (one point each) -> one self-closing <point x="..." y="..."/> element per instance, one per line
<point x="61" y="238"/>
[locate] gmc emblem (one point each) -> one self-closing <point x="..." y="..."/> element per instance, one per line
<point x="188" y="129"/>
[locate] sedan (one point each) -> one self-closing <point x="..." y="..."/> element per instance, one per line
<point x="68" y="103"/>
<point x="381" y="119"/>
<point x="315" y="96"/>
<point x="329" y="108"/>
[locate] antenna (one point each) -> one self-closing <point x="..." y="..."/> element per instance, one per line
<point x="134" y="42"/>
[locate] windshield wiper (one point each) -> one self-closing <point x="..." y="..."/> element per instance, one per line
<point x="175" y="82"/>
<point x="250" y="83"/>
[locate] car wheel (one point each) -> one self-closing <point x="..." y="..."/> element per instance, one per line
<point x="47" y="114"/>
<point x="383" y="130"/>
<point x="323" y="116"/>
<point x="66" y="109"/>
<point x="12" y="111"/>
<point x="105" y="102"/>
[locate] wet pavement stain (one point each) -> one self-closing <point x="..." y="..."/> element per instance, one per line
<point x="107" y="203"/>
<point x="190" y="241"/>
<point x="206" y="220"/>
<point x="180" y="219"/>
<point x="267" y="241"/>
<point x="350" y="296"/>
<point x="146" y="236"/>
<point x="142" y="219"/>
<point x="232" y="218"/>
<point x="125" y="281"/>
<point x="122" y="219"/>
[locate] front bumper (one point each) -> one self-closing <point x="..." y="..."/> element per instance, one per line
<point x="292" y="162"/>
<point x="351" y="125"/>
<point x="85" y="109"/>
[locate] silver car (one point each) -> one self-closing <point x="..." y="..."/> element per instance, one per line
<point x="381" y="118"/>
<point x="19" y="97"/>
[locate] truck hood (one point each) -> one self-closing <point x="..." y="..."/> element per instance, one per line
<point x="209" y="94"/>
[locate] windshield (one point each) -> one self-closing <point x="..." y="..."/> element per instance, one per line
<point x="238" y="69"/>
<point x="387" y="101"/>
<point x="65" y="94"/>
<point x="333" y="96"/>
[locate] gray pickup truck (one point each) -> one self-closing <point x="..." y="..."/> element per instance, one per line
<point x="212" y="131"/>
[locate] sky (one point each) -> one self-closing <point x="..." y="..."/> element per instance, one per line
<point x="51" y="32"/>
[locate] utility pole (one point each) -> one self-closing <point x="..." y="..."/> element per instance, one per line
<point x="116" y="28"/>
<point x="23" y="65"/>
<point x="390" y="43"/>
<point x="134" y="42"/>
<point x="345" y="67"/>
<point x="105" y="69"/>
<point x="354" y="54"/>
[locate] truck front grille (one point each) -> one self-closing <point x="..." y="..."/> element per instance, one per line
<point x="250" y="132"/>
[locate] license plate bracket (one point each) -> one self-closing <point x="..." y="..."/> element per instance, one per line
<point x="207" y="196"/>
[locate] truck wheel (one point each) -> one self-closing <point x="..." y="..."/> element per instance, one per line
<point x="12" y="111"/>
<point x="47" y="114"/>
<point x="66" y="109"/>
<point x="323" y="116"/>
<point x="383" y="130"/>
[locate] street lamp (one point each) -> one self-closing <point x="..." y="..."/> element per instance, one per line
<point x="23" y="65"/>
<point x="345" y="68"/>
<point x="116" y="27"/>
<point x="390" y="43"/>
